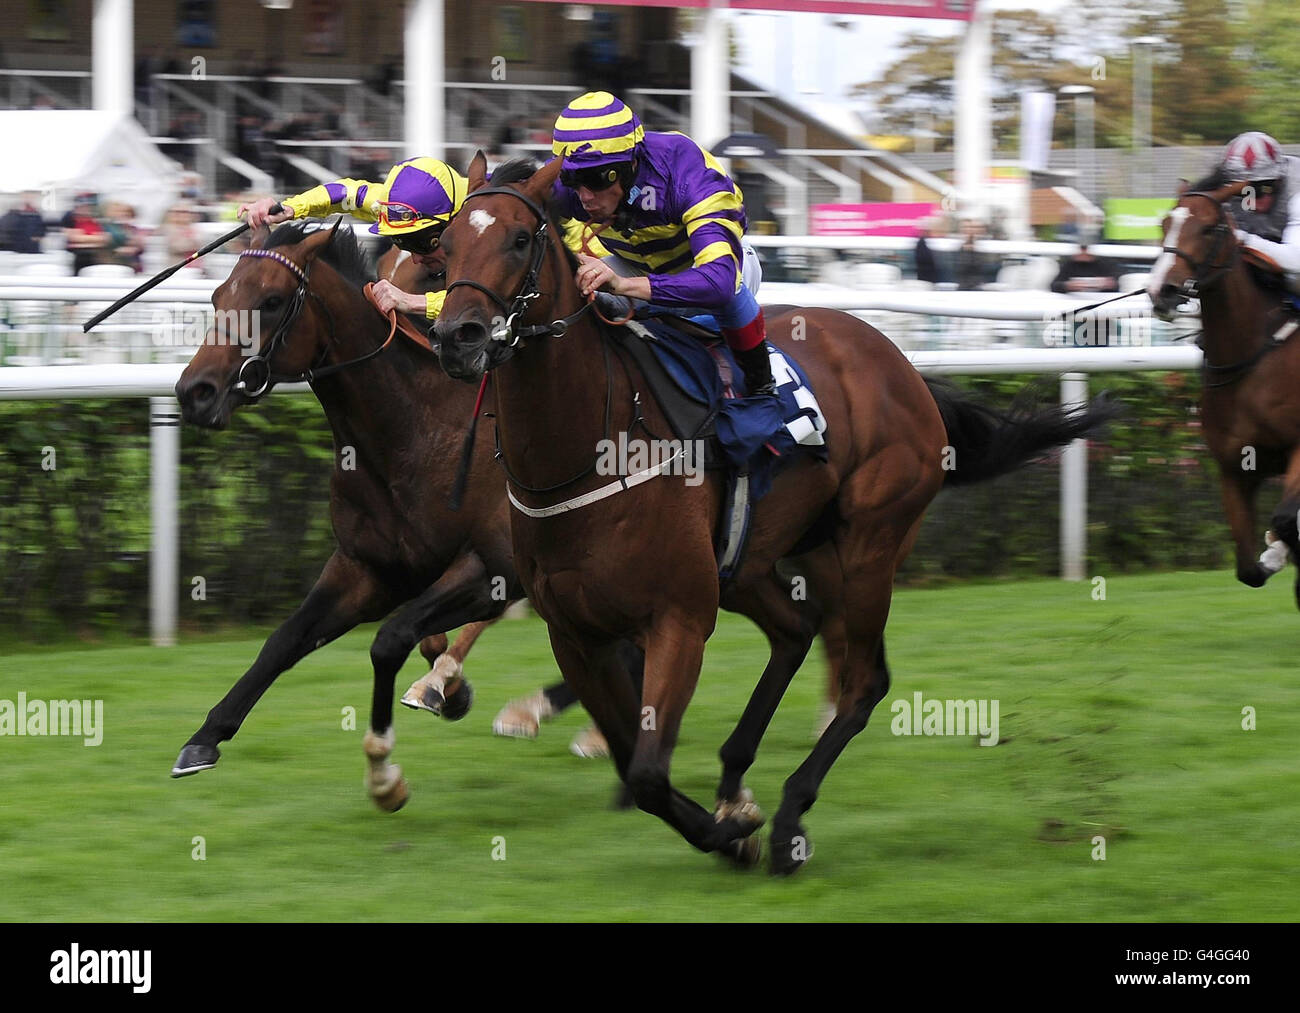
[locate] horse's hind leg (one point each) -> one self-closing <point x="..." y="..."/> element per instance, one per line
<point x="871" y="547"/>
<point x="790" y="624"/>
<point x="1285" y="522"/>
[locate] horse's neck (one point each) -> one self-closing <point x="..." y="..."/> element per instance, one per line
<point x="364" y="403"/>
<point x="1234" y="318"/>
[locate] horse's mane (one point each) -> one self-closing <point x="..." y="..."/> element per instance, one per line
<point x="343" y="252"/>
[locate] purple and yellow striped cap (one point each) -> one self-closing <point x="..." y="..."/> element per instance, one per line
<point x="596" y="129"/>
<point x="432" y="187"/>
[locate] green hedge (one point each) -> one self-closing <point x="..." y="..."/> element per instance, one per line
<point x="74" y="541"/>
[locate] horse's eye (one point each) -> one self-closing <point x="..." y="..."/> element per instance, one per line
<point x="272" y="303"/>
<point x="521" y="241"/>
<point x="1207" y="230"/>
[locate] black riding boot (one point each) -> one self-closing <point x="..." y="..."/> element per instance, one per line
<point x="757" y="369"/>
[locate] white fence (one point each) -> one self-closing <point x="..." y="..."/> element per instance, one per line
<point x="156" y="382"/>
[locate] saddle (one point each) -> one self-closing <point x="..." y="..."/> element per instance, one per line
<point x="693" y="377"/>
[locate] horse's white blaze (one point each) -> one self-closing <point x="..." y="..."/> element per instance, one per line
<point x="480" y="219"/>
<point x="1158" y="273"/>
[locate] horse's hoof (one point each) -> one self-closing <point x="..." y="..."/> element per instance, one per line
<point x="589" y="744"/>
<point x="195" y="757"/>
<point x="744" y="853"/>
<point x="1257" y="576"/>
<point x="789" y="854"/>
<point x="394" y="798"/>
<point x="457" y="704"/>
<point x="522" y="719"/>
<point x="742" y="809"/>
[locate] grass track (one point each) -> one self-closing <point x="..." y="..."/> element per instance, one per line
<point x="1119" y="717"/>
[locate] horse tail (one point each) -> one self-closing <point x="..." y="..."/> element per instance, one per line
<point x="987" y="442"/>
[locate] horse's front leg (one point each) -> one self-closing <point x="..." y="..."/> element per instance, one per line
<point x="347" y="593"/>
<point x="464" y="594"/>
<point x="1239" y="489"/>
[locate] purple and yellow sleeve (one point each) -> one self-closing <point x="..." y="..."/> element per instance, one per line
<point x="358" y="197"/>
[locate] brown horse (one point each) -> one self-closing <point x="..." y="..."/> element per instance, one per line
<point x="1250" y="404"/>
<point x="397" y="540"/>
<point x="639" y="564"/>
<point x="397" y="424"/>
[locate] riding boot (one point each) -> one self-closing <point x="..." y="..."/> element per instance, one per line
<point x="749" y="346"/>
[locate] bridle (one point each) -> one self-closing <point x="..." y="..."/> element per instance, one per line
<point x="257" y="382"/>
<point x="1205" y="272"/>
<point x="508" y="328"/>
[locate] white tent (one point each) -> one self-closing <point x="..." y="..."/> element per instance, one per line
<point x="61" y="152"/>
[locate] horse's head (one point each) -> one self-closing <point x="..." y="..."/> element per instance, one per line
<point x="1198" y="248"/>
<point x="496" y="266"/>
<point x="267" y="323"/>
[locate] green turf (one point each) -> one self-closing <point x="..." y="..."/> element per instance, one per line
<point x="1120" y="718"/>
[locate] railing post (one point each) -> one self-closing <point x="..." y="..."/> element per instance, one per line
<point x="164" y="484"/>
<point x="1074" y="486"/>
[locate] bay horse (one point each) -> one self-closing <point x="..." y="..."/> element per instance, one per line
<point x="639" y="564"/>
<point x="398" y="542"/>
<point x="1250" y="399"/>
<point x="397" y="423"/>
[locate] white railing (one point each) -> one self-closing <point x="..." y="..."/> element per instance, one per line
<point x="157" y="382"/>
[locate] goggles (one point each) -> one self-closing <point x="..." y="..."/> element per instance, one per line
<point x="595" y="178"/>
<point x="397" y="215"/>
<point x="424" y="241"/>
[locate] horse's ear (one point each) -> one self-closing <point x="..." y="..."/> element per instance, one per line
<point x="477" y="170"/>
<point x="543" y="180"/>
<point x="260" y="235"/>
<point x="318" y="240"/>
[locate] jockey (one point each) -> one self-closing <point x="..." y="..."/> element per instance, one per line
<point x="411" y="207"/>
<point x="673" y="223"/>
<point x="1268" y="216"/>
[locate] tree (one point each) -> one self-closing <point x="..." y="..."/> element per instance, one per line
<point x="1270" y="41"/>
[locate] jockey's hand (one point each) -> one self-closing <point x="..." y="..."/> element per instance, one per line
<point x="258" y="213"/>
<point x="390" y="297"/>
<point x="594" y="273"/>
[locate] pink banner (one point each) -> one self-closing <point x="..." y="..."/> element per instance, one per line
<point x="881" y="219"/>
<point x="947" y="10"/>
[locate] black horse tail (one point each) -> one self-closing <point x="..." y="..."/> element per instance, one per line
<point x="986" y="442"/>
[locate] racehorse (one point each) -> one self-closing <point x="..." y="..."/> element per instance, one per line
<point x="398" y="541"/>
<point x="403" y="417"/>
<point x="1250" y="402"/>
<point x="640" y="564"/>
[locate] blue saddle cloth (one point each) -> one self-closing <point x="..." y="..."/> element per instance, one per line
<point x="746" y="427"/>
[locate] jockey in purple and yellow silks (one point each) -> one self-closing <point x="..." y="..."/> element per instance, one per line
<point x="674" y="223"/>
<point x="411" y="207"/>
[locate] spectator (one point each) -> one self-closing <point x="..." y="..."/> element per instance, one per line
<point x="1084" y="272"/>
<point x="124" y="242"/>
<point x="971" y="268"/>
<point x="84" y="235"/>
<point x="1068" y="230"/>
<point x="22" y="228"/>
<point x="180" y="231"/>
<point x="927" y="263"/>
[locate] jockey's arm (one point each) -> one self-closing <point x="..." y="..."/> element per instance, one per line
<point x="389" y="296"/>
<point x="354" y="196"/>
<point x="1285" y="254"/>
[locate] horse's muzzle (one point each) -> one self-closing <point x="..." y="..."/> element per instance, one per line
<point x="463" y="348"/>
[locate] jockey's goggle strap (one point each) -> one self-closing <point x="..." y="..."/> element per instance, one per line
<point x="595" y="179"/>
